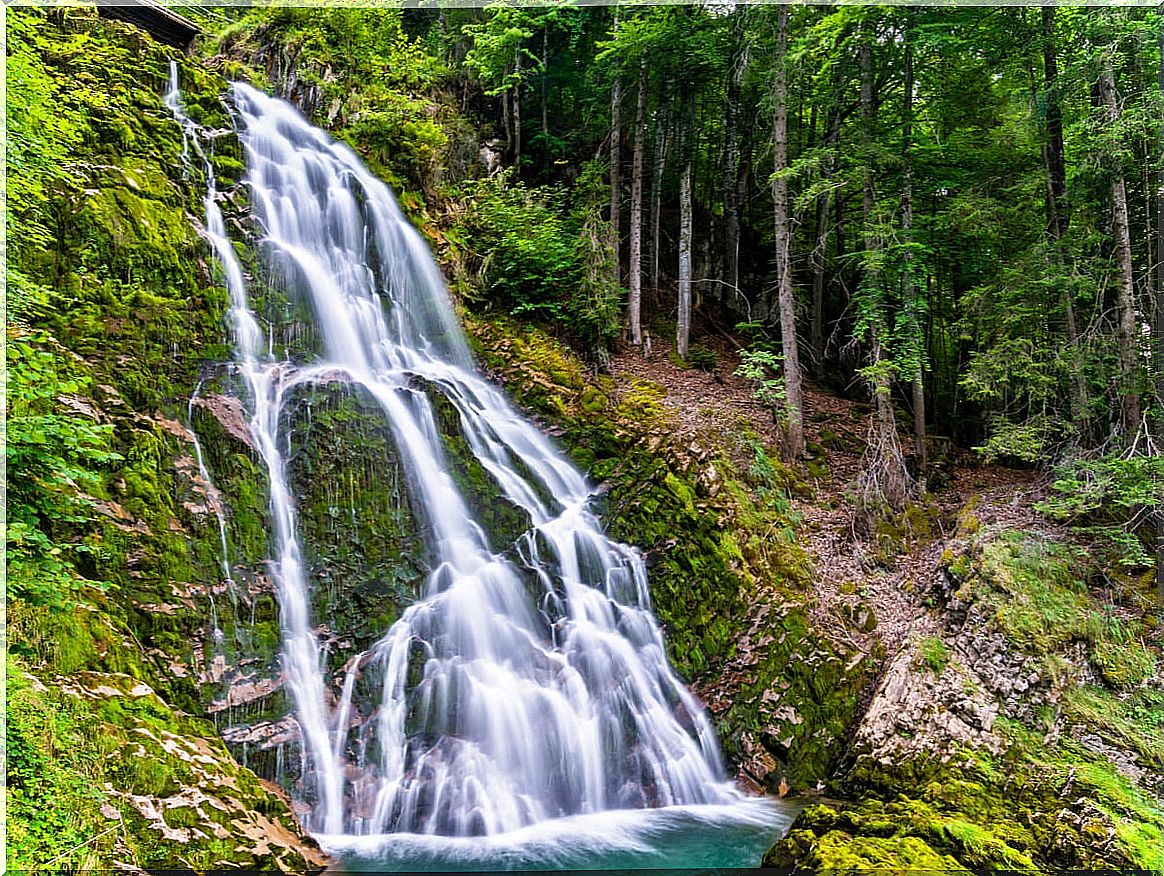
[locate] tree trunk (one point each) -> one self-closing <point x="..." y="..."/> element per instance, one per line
<point x="794" y="427"/>
<point x="506" y="121"/>
<point x="636" y="227"/>
<point x="616" y="162"/>
<point x="517" y="110"/>
<point x="731" y="161"/>
<point x="662" y="141"/>
<point x="1125" y="290"/>
<point x="683" y="328"/>
<point x="912" y="297"/>
<point x="545" y="107"/>
<point x="1160" y="300"/>
<point x="886" y="480"/>
<point x="1058" y="217"/>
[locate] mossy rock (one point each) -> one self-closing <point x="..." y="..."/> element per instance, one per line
<point x="104" y="775"/>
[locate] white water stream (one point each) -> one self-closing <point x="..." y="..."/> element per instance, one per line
<point x="521" y="687"/>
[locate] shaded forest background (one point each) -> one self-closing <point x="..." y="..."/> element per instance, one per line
<point x="954" y="212"/>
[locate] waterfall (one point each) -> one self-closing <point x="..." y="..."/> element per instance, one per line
<point x="525" y="684"/>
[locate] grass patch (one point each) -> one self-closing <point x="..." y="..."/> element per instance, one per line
<point x="934" y="654"/>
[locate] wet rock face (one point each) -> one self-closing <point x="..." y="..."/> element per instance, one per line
<point x="785" y="700"/>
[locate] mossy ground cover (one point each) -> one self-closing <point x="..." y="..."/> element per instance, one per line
<point x="102" y="771"/>
<point x="1052" y="799"/>
<point x="1037" y="808"/>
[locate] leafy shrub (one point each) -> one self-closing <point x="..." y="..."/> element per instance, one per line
<point x="763" y="368"/>
<point x="1113" y="498"/>
<point x="541" y="260"/>
<point x="53" y="459"/>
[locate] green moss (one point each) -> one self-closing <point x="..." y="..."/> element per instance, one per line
<point x="836" y="851"/>
<point x="1037" y="592"/>
<point x="934" y="654"/>
<point x="77" y="752"/>
<point x="1037" y="807"/>
<point x="1124" y="663"/>
<point x="1135" y="723"/>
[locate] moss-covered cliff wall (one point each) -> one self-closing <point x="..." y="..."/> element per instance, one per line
<point x="122" y="629"/>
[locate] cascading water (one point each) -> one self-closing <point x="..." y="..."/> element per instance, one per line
<point x="524" y="685"/>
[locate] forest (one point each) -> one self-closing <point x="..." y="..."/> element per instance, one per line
<point x="790" y="376"/>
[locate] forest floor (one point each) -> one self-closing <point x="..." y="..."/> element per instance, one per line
<point x="853" y="569"/>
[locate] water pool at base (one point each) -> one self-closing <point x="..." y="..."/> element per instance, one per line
<point x="704" y="838"/>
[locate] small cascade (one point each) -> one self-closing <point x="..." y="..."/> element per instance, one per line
<point x="527" y="683"/>
<point x="190" y="135"/>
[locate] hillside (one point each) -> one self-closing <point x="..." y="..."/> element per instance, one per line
<point x="963" y="674"/>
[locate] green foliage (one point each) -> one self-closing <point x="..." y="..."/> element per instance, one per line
<point x="763" y="368"/>
<point x="539" y="259"/>
<point x="54" y="457"/>
<point x="1112" y="497"/>
<point x="51" y="799"/>
<point x="370" y="82"/>
<point x="496" y="44"/>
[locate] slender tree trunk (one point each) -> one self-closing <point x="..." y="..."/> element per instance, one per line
<point x="616" y="162"/>
<point x="887" y="479"/>
<point x="517" y="110"/>
<point x="545" y="66"/>
<point x="794" y="435"/>
<point x="1125" y="289"/>
<point x="1058" y="216"/>
<point x="636" y="227"/>
<point x="731" y="161"/>
<point x="662" y="141"/>
<point x="506" y="120"/>
<point x="683" y="329"/>
<point x="912" y="296"/>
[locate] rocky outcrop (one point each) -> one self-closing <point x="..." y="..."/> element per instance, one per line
<point x="1000" y="742"/>
<point x="921" y="717"/>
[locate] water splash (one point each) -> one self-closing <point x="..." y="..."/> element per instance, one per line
<point x="525" y="685"/>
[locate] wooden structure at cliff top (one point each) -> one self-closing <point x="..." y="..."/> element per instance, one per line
<point x="164" y="25"/>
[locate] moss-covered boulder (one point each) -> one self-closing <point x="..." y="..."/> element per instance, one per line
<point x="1000" y="741"/>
